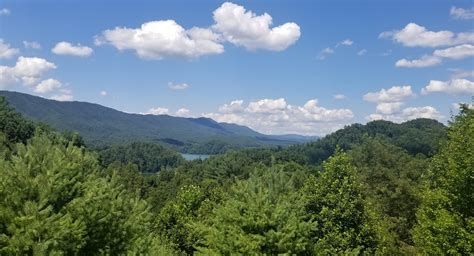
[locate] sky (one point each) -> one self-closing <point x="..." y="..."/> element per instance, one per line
<point x="279" y="67"/>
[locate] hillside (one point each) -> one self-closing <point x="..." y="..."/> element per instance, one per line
<point x="101" y="126"/>
<point x="418" y="136"/>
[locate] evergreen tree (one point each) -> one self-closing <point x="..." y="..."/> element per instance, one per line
<point x="260" y="216"/>
<point x="55" y="200"/>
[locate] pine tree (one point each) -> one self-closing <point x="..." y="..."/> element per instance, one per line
<point x="260" y="216"/>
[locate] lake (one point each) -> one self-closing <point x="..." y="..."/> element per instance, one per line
<point x="190" y="157"/>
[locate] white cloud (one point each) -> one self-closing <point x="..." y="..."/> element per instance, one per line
<point x="415" y="35"/>
<point x="157" y="111"/>
<point x="325" y="52"/>
<point x="460" y="73"/>
<point x="62" y="97"/>
<point x="408" y="114"/>
<point x="339" y="96"/>
<point x="390" y="102"/>
<point x="47" y="85"/>
<point x="388" y="108"/>
<point x="4" y="12"/>
<point x="421" y="112"/>
<point x="245" y="28"/>
<point x="183" y="112"/>
<point x="234" y="106"/>
<point x="393" y="94"/>
<point x="6" y="51"/>
<point x="232" y="23"/>
<point x="103" y="93"/>
<point x="276" y="116"/>
<point x="362" y="52"/>
<point x="456" y="52"/>
<point x="460" y="13"/>
<point x="31" y="45"/>
<point x="455" y="86"/>
<point x="347" y="42"/>
<point x="267" y="106"/>
<point x="66" y="48"/>
<point x="425" y="61"/>
<point x="180" y="86"/>
<point x="164" y="38"/>
<point x="27" y="71"/>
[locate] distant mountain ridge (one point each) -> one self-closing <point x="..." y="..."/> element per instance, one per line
<point x="102" y="126"/>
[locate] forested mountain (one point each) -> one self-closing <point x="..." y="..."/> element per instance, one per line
<point x="102" y="126"/>
<point x="383" y="189"/>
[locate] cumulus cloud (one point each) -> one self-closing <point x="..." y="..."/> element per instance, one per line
<point x="163" y="38"/>
<point x="421" y="112"/>
<point x="339" y="96"/>
<point x="393" y="94"/>
<point x="4" y="12"/>
<point x="47" y="85"/>
<point x="180" y="86"/>
<point x="232" y="23"/>
<point x="414" y="35"/>
<point x="66" y="48"/>
<point x="31" y="45"/>
<point x="388" y="108"/>
<point x="425" y="61"/>
<point x="456" y="52"/>
<point x="157" y="111"/>
<point x="244" y="28"/>
<point x="62" y="97"/>
<point x="408" y="114"/>
<point x="27" y="71"/>
<point x="183" y="112"/>
<point x="455" y="86"/>
<point x="235" y="106"/>
<point x="276" y="116"/>
<point x="462" y="14"/>
<point x="6" y="51"/>
<point x="267" y="106"/>
<point x="390" y="102"/>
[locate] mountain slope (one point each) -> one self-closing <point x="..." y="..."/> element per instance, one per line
<point x="101" y="126"/>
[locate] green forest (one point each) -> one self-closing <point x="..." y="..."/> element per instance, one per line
<point x="375" y="189"/>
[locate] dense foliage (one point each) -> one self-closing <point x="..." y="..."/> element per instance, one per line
<point x="148" y="157"/>
<point x="379" y="188"/>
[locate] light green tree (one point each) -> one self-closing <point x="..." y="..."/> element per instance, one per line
<point x="335" y="202"/>
<point x="445" y="220"/>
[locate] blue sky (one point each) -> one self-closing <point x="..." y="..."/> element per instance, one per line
<point x="393" y="60"/>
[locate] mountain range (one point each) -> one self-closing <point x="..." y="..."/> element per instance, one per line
<point x="101" y="126"/>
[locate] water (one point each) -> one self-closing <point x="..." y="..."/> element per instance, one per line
<point x="190" y="157"/>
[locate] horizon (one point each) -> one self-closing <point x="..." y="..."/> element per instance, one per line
<point x="148" y="114"/>
<point x="279" y="68"/>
